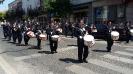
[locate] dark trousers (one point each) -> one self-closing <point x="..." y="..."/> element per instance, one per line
<point x="48" y="36"/>
<point x="14" y="36"/>
<point x="128" y="38"/>
<point x="5" y="34"/>
<point x="66" y="32"/>
<point x="19" y="36"/>
<point x="10" y="35"/>
<point x="72" y="32"/>
<point x="26" y="39"/>
<point x="83" y="50"/>
<point x="38" y="42"/>
<point x="109" y="43"/>
<point x="53" y="45"/>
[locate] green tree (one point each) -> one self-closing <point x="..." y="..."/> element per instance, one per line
<point x="2" y="16"/>
<point x="59" y="8"/>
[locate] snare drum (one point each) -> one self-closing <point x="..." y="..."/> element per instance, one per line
<point x="131" y="32"/>
<point x="55" y="37"/>
<point x="115" y="35"/>
<point x="59" y="30"/>
<point x="31" y="34"/>
<point x="89" y="40"/>
<point x="42" y="37"/>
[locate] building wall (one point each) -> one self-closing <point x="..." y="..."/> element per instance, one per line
<point x="99" y="3"/>
<point x="27" y="4"/>
<point x="75" y="2"/>
<point x="129" y="13"/>
<point x="12" y="5"/>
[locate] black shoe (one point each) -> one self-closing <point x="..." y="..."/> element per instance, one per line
<point x="39" y="48"/>
<point x="85" y="61"/>
<point x="52" y="52"/>
<point x="80" y="61"/>
<point x="55" y="52"/>
<point x="108" y="51"/>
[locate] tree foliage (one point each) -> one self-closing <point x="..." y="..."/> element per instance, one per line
<point x="2" y="16"/>
<point x="33" y="13"/>
<point x="14" y="14"/>
<point x="59" y="8"/>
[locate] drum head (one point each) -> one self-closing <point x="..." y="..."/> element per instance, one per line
<point x="115" y="33"/>
<point x="55" y="36"/>
<point x="88" y="38"/>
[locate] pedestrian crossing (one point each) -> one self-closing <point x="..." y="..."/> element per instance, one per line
<point x="80" y="69"/>
<point x="129" y="49"/>
<point x="39" y="55"/>
<point x="124" y="53"/>
<point x="118" y="58"/>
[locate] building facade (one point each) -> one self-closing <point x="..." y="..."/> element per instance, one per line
<point x="17" y="4"/>
<point x="98" y="11"/>
<point x="113" y="10"/>
<point x="82" y="9"/>
<point x="30" y="4"/>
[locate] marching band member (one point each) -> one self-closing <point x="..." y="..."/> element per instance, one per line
<point x="14" y="32"/>
<point x="9" y="31"/>
<point x="26" y="37"/>
<point x="83" y="50"/>
<point x="38" y="39"/>
<point x="26" y="29"/>
<point x="53" y="43"/>
<point x="108" y="36"/>
<point x="5" y="29"/>
<point x="38" y="32"/>
<point x="19" y="33"/>
<point x="127" y="29"/>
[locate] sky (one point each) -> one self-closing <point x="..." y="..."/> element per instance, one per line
<point x="4" y="5"/>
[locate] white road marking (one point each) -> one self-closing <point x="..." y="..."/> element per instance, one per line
<point x="124" y="53"/>
<point x="38" y="55"/>
<point x="27" y="57"/>
<point x="129" y="49"/>
<point x="79" y="70"/>
<point x="112" y="57"/>
<point x="7" y="68"/>
<point x="67" y="48"/>
<point x="119" y="69"/>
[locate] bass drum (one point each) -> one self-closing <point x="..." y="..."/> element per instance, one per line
<point x="89" y="40"/>
<point x="115" y="35"/>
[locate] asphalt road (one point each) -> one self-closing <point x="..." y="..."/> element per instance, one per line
<point x="26" y="60"/>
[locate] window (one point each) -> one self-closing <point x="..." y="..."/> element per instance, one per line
<point x="120" y="11"/>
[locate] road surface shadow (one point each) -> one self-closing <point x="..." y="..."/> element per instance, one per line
<point x="13" y="51"/>
<point x="69" y="60"/>
<point x="11" y="42"/>
<point x="72" y="45"/>
<point x="21" y="45"/>
<point x="33" y="47"/>
<point x="96" y="50"/>
<point x="46" y="52"/>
